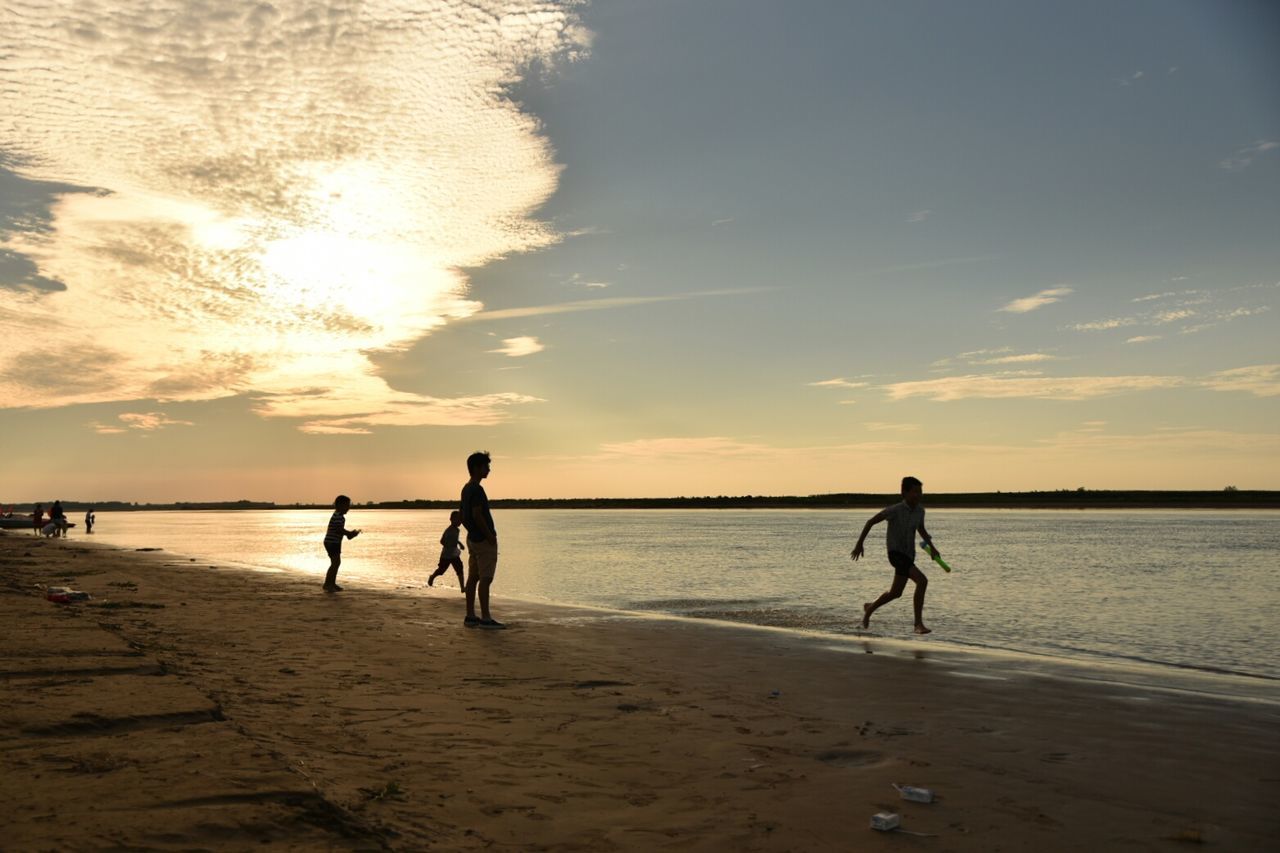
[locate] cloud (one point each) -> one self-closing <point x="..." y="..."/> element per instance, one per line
<point x="518" y="347"/>
<point x="998" y="356"/>
<point x="1244" y="157"/>
<point x="1105" y="325"/>
<point x="1039" y="300"/>
<point x="329" y="412"/>
<point x="1163" y="442"/>
<point x="1262" y="380"/>
<point x="918" y="215"/>
<point x="703" y="446"/>
<point x="278" y="192"/>
<point x="1181" y="306"/>
<point x="716" y="223"/>
<point x="1027" y="386"/>
<point x="1143" y="339"/>
<point x="1259" y="380"/>
<point x="600" y="304"/>
<point x="1021" y="358"/>
<point x="141" y="421"/>
<point x="578" y="280"/>
<point x="883" y="426"/>
<point x="1224" y="317"/>
<point x="1172" y="316"/>
<point x="837" y="383"/>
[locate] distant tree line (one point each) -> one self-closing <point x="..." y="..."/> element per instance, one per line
<point x="1078" y="498"/>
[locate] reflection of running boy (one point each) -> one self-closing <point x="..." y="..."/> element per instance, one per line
<point x="905" y="519"/>
<point x="333" y="541"/>
<point x="450" y="552"/>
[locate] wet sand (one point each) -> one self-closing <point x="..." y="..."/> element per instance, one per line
<point x="189" y="707"/>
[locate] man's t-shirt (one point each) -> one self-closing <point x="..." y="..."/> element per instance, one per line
<point x="474" y="500"/>
<point x="903" y="523"/>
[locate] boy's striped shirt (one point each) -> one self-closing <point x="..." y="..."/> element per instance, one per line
<point x="333" y="536"/>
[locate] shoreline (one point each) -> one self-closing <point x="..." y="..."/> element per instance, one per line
<point x="183" y="707"/>
<point x="1255" y="686"/>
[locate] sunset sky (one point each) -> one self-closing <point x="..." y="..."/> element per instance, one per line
<point x="277" y="251"/>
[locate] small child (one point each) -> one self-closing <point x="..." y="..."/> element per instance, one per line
<point x="450" y="551"/>
<point x="333" y="541"/>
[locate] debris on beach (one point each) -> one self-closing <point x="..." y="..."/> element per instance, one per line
<point x="891" y="822"/>
<point x="65" y="595"/>
<point x="914" y="794"/>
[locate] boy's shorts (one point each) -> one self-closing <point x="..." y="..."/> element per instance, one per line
<point x="902" y="564"/>
<point x="333" y="549"/>
<point x="484" y="558"/>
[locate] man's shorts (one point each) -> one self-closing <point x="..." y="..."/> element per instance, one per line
<point x="484" y="558"/>
<point x="902" y="564"/>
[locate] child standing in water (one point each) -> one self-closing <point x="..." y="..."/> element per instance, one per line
<point x="450" y="552"/>
<point x="905" y="518"/>
<point x="333" y="541"/>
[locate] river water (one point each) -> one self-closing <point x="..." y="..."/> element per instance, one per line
<point x="1178" y="588"/>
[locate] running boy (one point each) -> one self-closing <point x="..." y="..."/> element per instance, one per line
<point x="905" y="518"/>
<point x="333" y="541"/>
<point x="450" y="552"/>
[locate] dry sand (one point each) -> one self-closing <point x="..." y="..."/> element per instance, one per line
<point x="187" y="708"/>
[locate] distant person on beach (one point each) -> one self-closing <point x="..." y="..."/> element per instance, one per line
<point x="450" y="552"/>
<point x="37" y="519"/>
<point x="58" y="517"/>
<point x="333" y="541"/>
<point x="482" y="542"/>
<point x="89" y="519"/>
<point x="906" y="518"/>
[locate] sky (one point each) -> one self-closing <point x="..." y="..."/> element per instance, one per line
<point x="277" y="251"/>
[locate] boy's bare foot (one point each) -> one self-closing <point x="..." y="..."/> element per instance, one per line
<point x="431" y="581"/>
<point x="921" y="629"/>
<point x="866" y="614"/>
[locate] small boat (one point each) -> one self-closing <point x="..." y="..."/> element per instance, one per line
<point x="23" y="522"/>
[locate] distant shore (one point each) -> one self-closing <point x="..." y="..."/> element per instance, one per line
<point x="1060" y="499"/>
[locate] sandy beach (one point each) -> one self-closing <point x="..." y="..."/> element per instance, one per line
<point x="190" y="707"/>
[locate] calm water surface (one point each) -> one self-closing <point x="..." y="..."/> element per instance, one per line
<point x="1177" y="588"/>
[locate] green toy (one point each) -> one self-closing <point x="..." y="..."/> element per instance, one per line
<point x="937" y="558"/>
